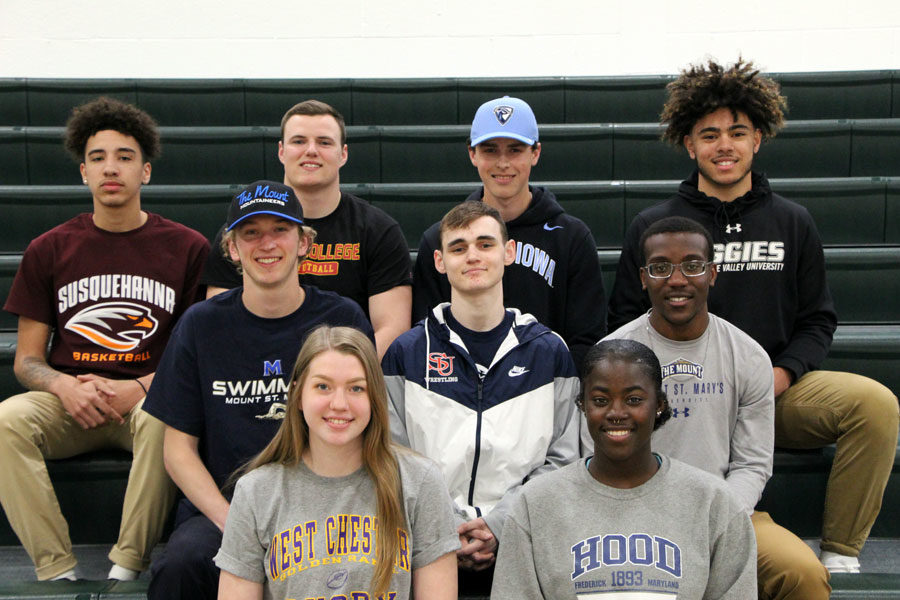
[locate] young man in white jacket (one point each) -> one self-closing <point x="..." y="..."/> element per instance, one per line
<point x="486" y="391"/>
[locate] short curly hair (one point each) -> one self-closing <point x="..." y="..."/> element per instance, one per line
<point x="111" y="114"/>
<point x="703" y="89"/>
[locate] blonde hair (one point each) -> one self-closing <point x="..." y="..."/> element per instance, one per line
<point x="378" y="456"/>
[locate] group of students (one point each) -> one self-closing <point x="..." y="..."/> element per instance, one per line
<point x="536" y="465"/>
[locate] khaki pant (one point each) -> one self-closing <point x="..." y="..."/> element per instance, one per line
<point x="786" y="568"/>
<point x="861" y="416"/>
<point x="34" y="426"/>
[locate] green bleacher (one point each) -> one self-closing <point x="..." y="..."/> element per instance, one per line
<point x="839" y="156"/>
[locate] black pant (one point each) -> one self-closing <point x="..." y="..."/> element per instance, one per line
<point x="186" y="568"/>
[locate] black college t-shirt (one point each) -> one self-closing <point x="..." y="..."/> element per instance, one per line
<point x="359" y="252"/>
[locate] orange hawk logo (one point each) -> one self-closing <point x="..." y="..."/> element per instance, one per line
<point x="118" y="326"/>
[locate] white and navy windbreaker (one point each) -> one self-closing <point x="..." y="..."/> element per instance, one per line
<point x="492" y="433"/>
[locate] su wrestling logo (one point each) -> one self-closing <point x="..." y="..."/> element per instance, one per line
<point x="116" y="326"/>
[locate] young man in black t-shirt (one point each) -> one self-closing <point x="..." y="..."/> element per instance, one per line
<point x="222" y="384"/>
<point x="359" y="251"/>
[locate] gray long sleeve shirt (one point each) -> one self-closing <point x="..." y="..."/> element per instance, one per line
<point x="721" y="390"/>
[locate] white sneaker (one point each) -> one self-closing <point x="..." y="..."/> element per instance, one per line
<point x="839" y="563"/>
<point x="122" y="574"/>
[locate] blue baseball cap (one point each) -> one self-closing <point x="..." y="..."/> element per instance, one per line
<point x="504" y="117"/>
<point x="264" y="198"/>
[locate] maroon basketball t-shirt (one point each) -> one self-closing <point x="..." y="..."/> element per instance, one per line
<point x="110" y="298"/>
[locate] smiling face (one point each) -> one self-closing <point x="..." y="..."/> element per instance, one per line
<point x="504" y="166"/>
<point x="335" y="402"/>
<point x="474" y="257"/>
<point x="723" y="148"/>
<point x="267" y="248"/>
<point x="113" y="169"/>
<point x="620" y="407"/>
<point x="679" y="302"/>
<point x="311" y="152"/>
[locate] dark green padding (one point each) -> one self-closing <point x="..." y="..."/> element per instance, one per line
<point x="52" y="590"/>
<point x="403" y="101"/>
<point x="895" y="94"/>
<point x="847" y="211"/>
<point x="575" y="153"/>
<point x="865" y="284"/>
<point x="31" y="210"/>
<point x="638" y="153"/>
<point x="876" y="148"/>
<point x="201" y="155"/>
<point x="807" y="149"/>
<point x="632" y="99"/>
<point x="192" y="102"/>
<point x="266" y="100"/>
<point x="13" y="156"/>
<point x="50" y="101"/>
<point x="545" y="96"/>
<point x="13" y="101"/>
<point x="419" y="154"/>
<point x="892" y="212"/>
<point x="837" y="95"/>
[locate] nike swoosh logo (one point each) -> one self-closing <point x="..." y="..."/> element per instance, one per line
<point x="516" y="371"/>
<point x="548" y="228"/>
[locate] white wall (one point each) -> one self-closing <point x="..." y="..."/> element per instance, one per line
<point x="437" y="38"/>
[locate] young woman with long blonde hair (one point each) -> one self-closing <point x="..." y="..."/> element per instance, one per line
<point x="331" y="508"/>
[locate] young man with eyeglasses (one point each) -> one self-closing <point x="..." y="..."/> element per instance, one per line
<point x="771" y="284"/>
<point x="719" y="384"/>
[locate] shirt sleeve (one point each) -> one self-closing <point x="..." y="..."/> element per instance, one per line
<point x="628" y="300"/>
<point x="515" y="575"/>
<point x="395" y="381"/>
<point x="433" y="524"/>
<point x="732" y="564"/>
<point x="753" y="439"/>
<point x="218" y="270"/>
<point x="241" y="552"/>
<point x="387" y="265"/>
<point x="31" y="294"/>
<point x="430" y="288"/>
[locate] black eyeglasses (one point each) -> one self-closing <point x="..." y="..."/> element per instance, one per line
<point x="689" y="268"/>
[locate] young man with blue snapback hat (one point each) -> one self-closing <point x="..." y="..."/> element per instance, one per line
<point x="222" y="384"/>
<point x="555" y="252"/>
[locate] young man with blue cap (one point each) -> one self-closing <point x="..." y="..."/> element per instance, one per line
<point x="222" y="384"/>
<point x="555" y="253"/>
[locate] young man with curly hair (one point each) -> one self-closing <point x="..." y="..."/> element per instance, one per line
<point x="772" y="285"/>
<point x="109" y="285"/>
